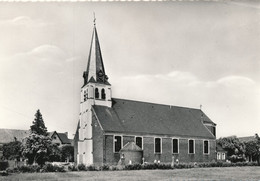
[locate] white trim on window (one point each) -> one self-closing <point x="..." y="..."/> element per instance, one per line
<point x="114" y="142"/>
<point x="178" y="145"/>
<point x="223" y="156"/>
<point x="142" y="141"/>
<point x="193" y="146"/>
<point x="208" y="147"/>
<point x="218" y="156"/>
<point x="160" y="145"/>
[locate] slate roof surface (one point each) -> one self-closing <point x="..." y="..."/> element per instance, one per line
<point x="63" y="137"/>
<point x="219" y="148"/>
<point x="7" y="135"/>
<point x="127" y="116"/>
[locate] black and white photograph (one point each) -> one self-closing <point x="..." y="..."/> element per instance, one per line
<point x="130" y="90"/>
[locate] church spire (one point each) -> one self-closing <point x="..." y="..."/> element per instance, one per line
<point x="95" y="71"/>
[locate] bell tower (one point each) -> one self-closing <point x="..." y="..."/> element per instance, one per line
<point x="96" y="90"/>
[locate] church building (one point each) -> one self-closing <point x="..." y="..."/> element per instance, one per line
<point x="162" y="132"/>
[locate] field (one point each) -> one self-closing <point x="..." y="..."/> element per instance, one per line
<point x="228" y="173"/>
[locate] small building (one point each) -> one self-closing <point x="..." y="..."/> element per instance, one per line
<point x="131" y="153"/>
<point x="221" y="153"/>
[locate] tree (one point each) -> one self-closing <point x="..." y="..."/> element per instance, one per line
<point x="12" y="150"/>
<point x="55" y="155"/>
<point x="252" y="150"/>
<point x="38" y="126"/>
<point x="37" y="148"/>
<point x="67" y="152"/>
<point x="235" y="149"/>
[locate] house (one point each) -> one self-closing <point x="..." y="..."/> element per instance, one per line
<point x="60" y="138"/>
<point x="221" y="153"/>
<point x="163" y="132"/>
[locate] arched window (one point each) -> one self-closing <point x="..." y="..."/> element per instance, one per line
<point x="96" y="93"/>
<point x="103" y="94"/>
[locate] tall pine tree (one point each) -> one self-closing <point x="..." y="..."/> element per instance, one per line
<point x="38" y="126"/>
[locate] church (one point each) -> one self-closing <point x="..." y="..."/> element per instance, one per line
<point x="163" y="133"/>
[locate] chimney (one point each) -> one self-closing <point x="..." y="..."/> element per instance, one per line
<point x="66" y="134"/>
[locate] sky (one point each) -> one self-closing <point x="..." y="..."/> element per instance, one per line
<point x="176" y="53"/>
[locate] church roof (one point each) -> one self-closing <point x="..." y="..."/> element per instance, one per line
<point x="134" y="117"/>
<point x="95" y="71"/>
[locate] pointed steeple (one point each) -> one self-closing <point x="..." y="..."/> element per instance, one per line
<point x="95" y="69"/>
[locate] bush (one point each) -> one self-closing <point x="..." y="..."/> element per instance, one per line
<point x="72" y="168"/>
<point x="52" y="168"/>
<point x="164" y="166"/>
<point x="104" y="167"/>
<point x="3" y="173"/>
<point x="29" y="168"/>
<point x="136" y="166"/>
<point x="82" y="167"/>
<point x="92" y="168"/>
<point x="4" y="165"/>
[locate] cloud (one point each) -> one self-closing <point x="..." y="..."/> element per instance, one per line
<point x="236" y="81"/>
<point x="23" y="21"/>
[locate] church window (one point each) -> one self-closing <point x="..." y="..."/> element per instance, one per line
<point x="157" y="145"/>
<point x="85" y="95"/>
<point x="191" y="146"/>
<point x="117" y="143"/>
<point x="175" y="145"/>
<point x="103" y="94"/>
<point x="206" y="146"/>
<point x="96" y="93"/>
<point x="139" y="142"/>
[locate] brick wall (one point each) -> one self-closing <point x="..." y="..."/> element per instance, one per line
<point x="97" y="142"/>
<point x="166" y="155"/>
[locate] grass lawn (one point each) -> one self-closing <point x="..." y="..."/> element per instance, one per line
<point x="228" y="173"/>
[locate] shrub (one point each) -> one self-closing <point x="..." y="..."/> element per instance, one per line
<point x="92" y="168"/>
<point x="136" y="166"/>
<point x="53" y="168"/>
<point x="113" y="167"/>
<point x="82" y="167"/>
<point x="164" y="166"/>
<point x="72" y="168"/>
<point x="3" y="173"/>
<point x="12" y="170"/>
<point x="104" y="167"/>
<point x="184" y="165"/>
<point x="29" y="168"/>
<point x="4" y="165"/>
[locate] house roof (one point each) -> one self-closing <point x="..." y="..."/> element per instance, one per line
<point x="63" y="137"/>
<point x="131" y="146"/>
<point x="247" y="138"/>
<point x="9" y="135"/>
<point x="219" y="148"/>
<point x="134" y="117"/>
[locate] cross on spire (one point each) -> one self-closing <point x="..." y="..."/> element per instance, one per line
<point x="94" y="19"/>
